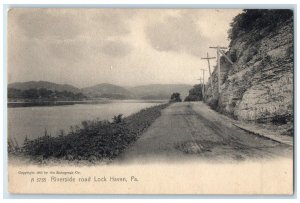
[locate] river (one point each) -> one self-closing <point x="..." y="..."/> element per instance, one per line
<point x="32" y="121"/>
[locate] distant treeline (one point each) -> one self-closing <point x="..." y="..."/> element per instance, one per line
<point x="42" y="94"/>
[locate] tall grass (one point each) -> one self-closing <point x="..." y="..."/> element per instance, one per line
<point x="95" y="139"/>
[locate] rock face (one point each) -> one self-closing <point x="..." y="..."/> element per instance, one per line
<point x="259" y="85"/>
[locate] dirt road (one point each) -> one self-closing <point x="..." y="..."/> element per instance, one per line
<point x="188" y="131"/>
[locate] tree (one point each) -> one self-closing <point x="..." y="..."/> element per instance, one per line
<point x="195" y="94"/>
<point x="175" y="97"/>
<point x="266" y="20"/>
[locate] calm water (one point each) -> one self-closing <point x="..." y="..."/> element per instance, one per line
<point x="32" y="121"/>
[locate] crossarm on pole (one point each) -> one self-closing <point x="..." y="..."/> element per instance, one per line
<point x="209" y="58"/>
<point x="218" y="47"/>
<point x="223" y="53"/>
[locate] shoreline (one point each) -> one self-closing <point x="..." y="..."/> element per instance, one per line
<point x="64" y="103"/>
<point x="94" y="142"/>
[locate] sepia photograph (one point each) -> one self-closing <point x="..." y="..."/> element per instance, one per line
<point x="150" y="101"/>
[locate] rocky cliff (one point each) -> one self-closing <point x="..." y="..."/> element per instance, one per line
<point x="258" y="86"/>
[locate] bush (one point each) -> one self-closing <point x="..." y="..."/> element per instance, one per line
<point x="214" y="103"/>
<point x="195" y="94"/>
<point x="95" y="139"/>
<point x="279" y="120"/>
<point x="193" y="98"/>
<point x="175" y="97"/>
<point x="118" y="118"/>
<point x="233" y="56"/>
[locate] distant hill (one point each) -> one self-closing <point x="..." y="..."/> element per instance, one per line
<point x="108" y="91"/>
<point x="160" y="91"/>
<point x="44" y="84"/>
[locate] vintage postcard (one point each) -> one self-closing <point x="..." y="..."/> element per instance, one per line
<point x="150" y="101"/>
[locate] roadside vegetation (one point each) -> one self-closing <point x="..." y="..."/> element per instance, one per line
<point x="94" y="140"/>
<point x="175" y="97"/>
<point x="195" y="94"/>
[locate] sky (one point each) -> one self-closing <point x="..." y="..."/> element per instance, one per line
<point x="128" y="47"/>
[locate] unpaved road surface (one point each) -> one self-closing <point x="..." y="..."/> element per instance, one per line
<point x="192" y="130"/>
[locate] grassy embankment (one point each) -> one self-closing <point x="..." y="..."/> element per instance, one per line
<point x="94" y="140"/>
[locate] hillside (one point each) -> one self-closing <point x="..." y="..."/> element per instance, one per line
<point x="160" y="91"/>
<point x="45" y="85"/>
<point x="105" y="90"/>
<point x="258" y="86"/>
<point x="42" y="94"/>
<point x="108" y="91"/>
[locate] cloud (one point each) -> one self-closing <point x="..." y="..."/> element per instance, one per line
<point x="122" y="46"/>
<point x="176" y="33"/>
<point x="64" y="24"/>
<point x="71" y="51"/>
<point x="116" y="48"/>
<point x="111" y="22"/>
<point x="44" y="24"/>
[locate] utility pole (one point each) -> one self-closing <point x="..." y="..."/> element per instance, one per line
<point x="220" y="51"/>
<point x="201" y="85"/>
<point x="203" y="70"/>
<point x="200" y="79"/>
<point x="208" y="58"/>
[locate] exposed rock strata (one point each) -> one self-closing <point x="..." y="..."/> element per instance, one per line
<point x="259" y="85"/>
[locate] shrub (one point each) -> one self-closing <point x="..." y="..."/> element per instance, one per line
<point x="118" y="118"/>
<point x="233" y="56"/>
<point x="193" y="98"/>
<point x="279" y="120"/>
<point x="175" y="97"/>
<point x="214" y="103"/>
<point x="195" y="94"/>
<point x="95" y="139"/>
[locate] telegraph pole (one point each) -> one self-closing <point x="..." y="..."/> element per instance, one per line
<point x="200" y="79"/>
<point x="208" y="58"/>
<point x="201" y="84"/>
<point x="219" y="49"/>
<point x="203" y="70"/>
